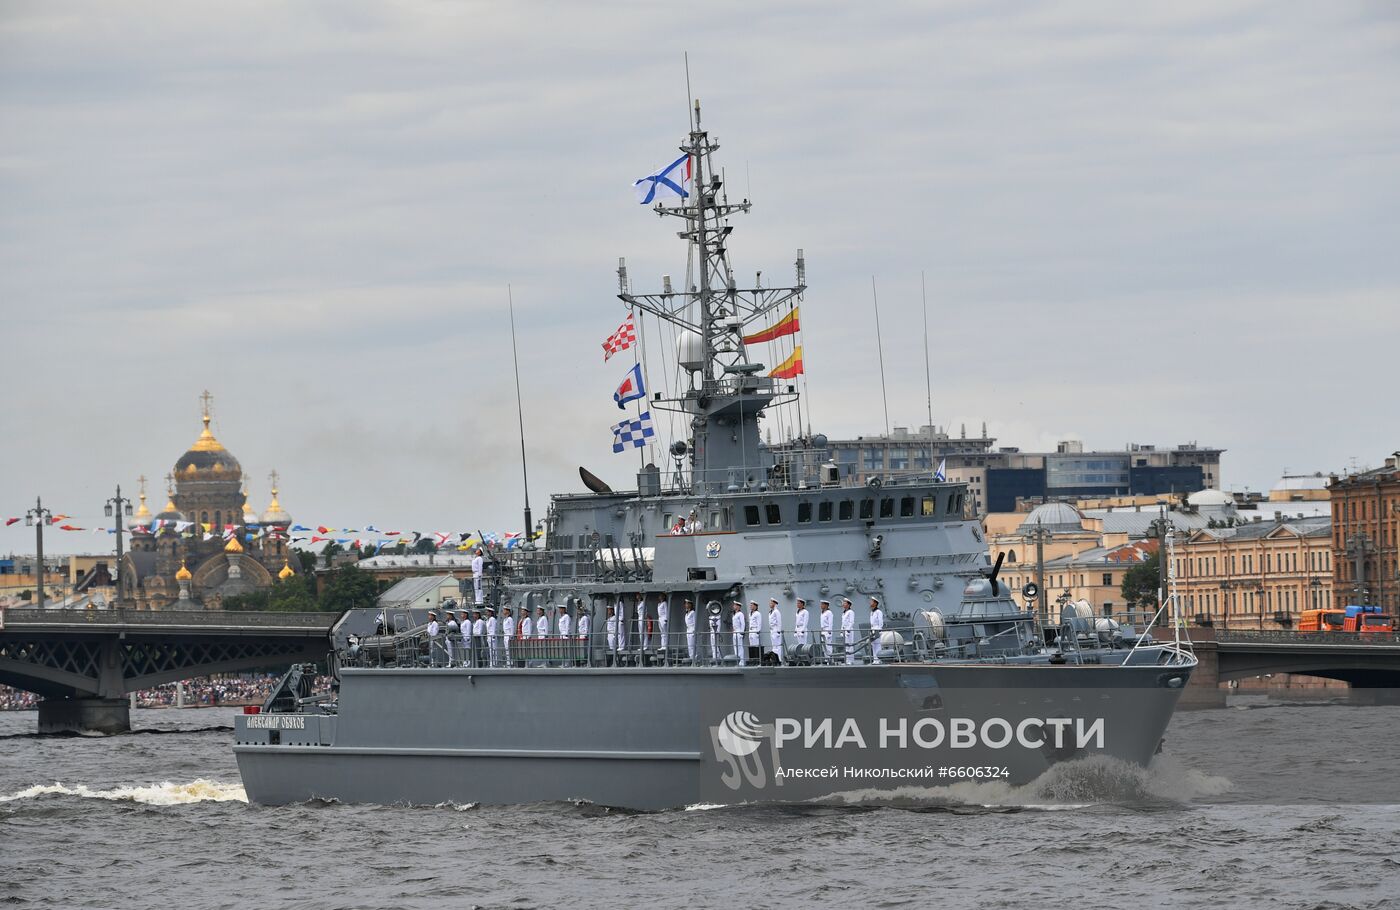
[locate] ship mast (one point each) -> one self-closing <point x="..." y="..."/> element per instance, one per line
<point x="728" y="392"/>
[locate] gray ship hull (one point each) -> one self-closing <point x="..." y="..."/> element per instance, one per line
<point x="657" y="738"/>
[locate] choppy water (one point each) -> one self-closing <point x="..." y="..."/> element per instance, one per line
<point x="1257" y="805"/>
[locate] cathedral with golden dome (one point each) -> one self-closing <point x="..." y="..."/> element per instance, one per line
<point x="207" y="544"/>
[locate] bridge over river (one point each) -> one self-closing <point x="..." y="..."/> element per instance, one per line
<point x="86" y="662"/>
<point x="1365" y="660"/>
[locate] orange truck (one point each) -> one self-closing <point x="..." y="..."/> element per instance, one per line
<point x="1347" y="619"/>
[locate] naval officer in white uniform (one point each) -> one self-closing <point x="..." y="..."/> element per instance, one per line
<point x="610" y="626"/>
<point x="585" y="626"/>
<point x="507" y="635"/>
<point x="663" y="619"/>
<point x="848" y="630"/>
<point x="690" y="630"/>
<point x="493" y="637"/>
<point x="755" y="626"/>
<point x="478" y="573"/>
<point x="877" y="628"/>
<point x="478" y="638"/>
<point x="736" y="626"/>
<point x="799" y="625"/>
<point x="433" y="643"/>
<point x="826" y="622"/>
<point x="775" y="630"/>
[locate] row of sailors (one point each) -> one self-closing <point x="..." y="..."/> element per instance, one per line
<point x="746" y="630"/>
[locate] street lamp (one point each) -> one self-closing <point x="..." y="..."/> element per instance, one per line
<point x="120" y="506"/>
<point x="38" y="517"/>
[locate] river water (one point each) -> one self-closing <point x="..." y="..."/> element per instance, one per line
<point x="1256" y="805"/>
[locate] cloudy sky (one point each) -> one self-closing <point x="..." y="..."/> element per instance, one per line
<point x="1138" y="224"/>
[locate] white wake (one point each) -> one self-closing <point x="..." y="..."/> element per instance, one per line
<point x="162" y="794"/>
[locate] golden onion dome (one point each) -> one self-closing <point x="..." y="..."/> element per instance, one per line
<point x="208" y="454"/>
<point x="274" y="514"/>
<point x="249" y="516"/>
<point x="184" y="574"/>
<point x="286" y="572"/>
<point x="170" y="513"/>
<point x="142" y="519"/>
<point x="233" y="546"/>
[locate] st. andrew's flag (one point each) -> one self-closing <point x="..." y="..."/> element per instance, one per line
<point x="942" y="473"/>
<point x="633" y="432"/>
<point x="671" y="182"/>
<point x="631" y="388"/>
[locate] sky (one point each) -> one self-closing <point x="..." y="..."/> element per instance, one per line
<point x="1155" y="224"/>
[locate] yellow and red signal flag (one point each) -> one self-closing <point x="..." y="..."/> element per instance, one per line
<point x="788" y="325"/>
<point x="790" y="367"/>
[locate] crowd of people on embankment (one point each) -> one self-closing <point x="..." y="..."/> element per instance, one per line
<point x="232" y="689"/>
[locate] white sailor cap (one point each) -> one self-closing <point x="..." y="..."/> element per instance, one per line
<point x="753" y="603"/>
<point x="826" y="603"/>
<point x="845" y="600"/>
<point x="875" y="600"/>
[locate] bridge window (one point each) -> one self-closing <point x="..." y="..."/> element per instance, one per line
<point x="751" y="515"/>
<point x="804" y="513"/>
<point x="906" y="507"/>
<point x="774" y="513"/>
<point x="867" y="509"/>
<point x="887" y="507"/>
<point x="928" y="507"/>
<point x="824" y="511"/>
<point x="847" y="510"/>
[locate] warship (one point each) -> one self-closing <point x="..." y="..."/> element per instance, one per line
<point x="749" y="625"/>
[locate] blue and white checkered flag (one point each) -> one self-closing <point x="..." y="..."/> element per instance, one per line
<point x="633" y="432"/>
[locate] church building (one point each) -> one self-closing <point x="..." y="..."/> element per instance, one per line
<point x="206" y="544"/>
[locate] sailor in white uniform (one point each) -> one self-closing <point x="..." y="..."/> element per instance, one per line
<point x="848" y="630"/>
<point x="877" y="628"/>
<point x="690" y="630"/>
<point x="478" y="573"/>
<point x="507" y="634"/>
<point x="776" y="644"/>
<point x="449" y="636"/>
<point x="755" y="626"/>
<point x="716" y="623"/>
<point x="736" y="626"/>
<point x="493" y="638"/>
<point x="434" y="643"/>
<point x="564" y="627"/>
<point x="826" y="620"/>
<point x="464" y="642"/>
<point x="610" y="624"/>
<point x="621" y="629"/>
<point x="799" y="625"/>
<point x="585" y="626"/>
<point x="541" y="623"/>
<point x="663" y="619"/>
<point x="643" y="629"/>
<point x="478" y="638"/>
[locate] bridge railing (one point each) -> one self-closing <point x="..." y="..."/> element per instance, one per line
<point x="127" y="617"/>
<point x="1280" y="637"/>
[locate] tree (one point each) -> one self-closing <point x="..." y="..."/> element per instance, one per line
<point x="254" y="601"/>
<point x="425" y="545"/>
<point x="1140" y="584"/>
<point x="306" y="562"/>
<point x="292" y="595"/>
<point x="347" y="587"/>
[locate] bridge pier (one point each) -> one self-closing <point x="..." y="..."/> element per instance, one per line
<point x="84" y="715"/>
<point x="1203" y="691"/>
